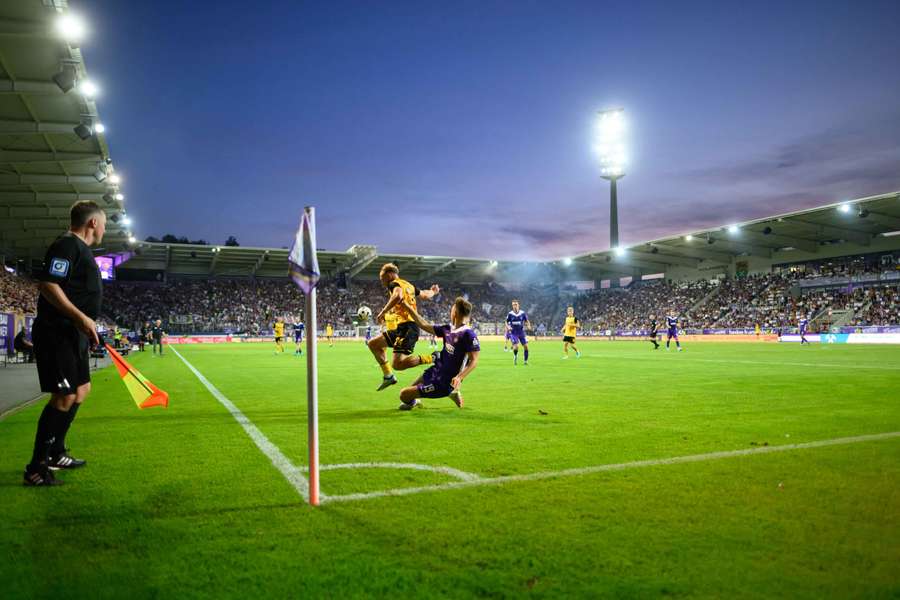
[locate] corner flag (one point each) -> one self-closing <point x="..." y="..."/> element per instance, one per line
<point x="304" y="270"/>
<point x="304" y="265"/>
<point x="144" y="393"/>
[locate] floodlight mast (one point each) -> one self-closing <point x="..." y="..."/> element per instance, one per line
<point x="611" y="151"/>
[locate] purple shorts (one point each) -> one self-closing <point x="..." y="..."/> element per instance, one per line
<point x="673" y="333"/>
<point x="433" y="385"/>
<point x="518" y="338"/>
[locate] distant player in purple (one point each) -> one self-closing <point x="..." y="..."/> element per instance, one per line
<point x="672" y="324"/>
<point x="516" y="322"/>
<point x="804" y="323"/>
<point x="457" y="359"/>
<point x="368" y="334"/>
<point x="298" y="338"/>
<point x="506" y="340"/>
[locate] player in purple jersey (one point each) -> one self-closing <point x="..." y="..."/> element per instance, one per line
<point x="298" y="337"/>
<point x="804" y="323"/>
<point x="516" y="322"/>
<point x="672" y="324"/>
<point x="456" y="360"/>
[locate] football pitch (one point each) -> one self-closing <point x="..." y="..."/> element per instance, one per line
<point x="727" y="470"/>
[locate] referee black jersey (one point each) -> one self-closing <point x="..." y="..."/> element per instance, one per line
<point x="61" y="350"/>
<point x="69" y="263"/>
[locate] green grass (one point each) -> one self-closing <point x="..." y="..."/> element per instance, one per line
<point x="180" y="503"/>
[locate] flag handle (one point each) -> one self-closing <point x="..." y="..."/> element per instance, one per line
<point x="312" y="386"/>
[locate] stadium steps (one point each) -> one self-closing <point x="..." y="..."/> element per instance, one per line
<point x="702" y="302"/>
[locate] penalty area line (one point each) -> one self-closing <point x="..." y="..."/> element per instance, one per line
<point x="293" y="474"/>
<point x="612" y="467"/>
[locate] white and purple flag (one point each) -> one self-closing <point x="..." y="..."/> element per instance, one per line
<point x="304" y="266"/>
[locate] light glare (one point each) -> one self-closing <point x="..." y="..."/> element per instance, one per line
<point x="620" y="251"/>
<point x="688" y="238"/>
<point x="732" y="229"/>
<point x="71" y="28"/>
<point x="120" y="196"/>
<point x="116" y="179"/>
<point x="567" y="261"/>
<point x="88" y="88"/>
<point x="844" y="208"/>
<point x="99" y="127"/>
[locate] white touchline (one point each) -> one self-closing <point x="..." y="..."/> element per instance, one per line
<point x="612" y="467"/>
<point x="293" y="474"/>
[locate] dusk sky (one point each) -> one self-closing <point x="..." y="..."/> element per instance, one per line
<point x="464" y="128"/>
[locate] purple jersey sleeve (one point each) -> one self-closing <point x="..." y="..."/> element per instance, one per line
<point x="441" y="330"/>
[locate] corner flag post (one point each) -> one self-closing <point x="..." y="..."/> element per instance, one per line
<point x="304" y="270"/>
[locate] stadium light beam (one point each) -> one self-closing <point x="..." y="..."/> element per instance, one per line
<point x="844" y="208"/>
<point x="99" y="127"/>
<point x="71" y="28"/>
<point x="120" y="196"/>
<point x="732" y="229"/>
<point x="88" y="89"/>
<point x="115" y="179"/>
<point x="610" y="148"/>
<point x="688" y="238"/>
<point x="567" y="261"/>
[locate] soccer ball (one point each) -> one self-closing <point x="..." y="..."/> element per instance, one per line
<point x="364" y="313"/>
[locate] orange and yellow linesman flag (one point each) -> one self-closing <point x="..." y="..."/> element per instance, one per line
<point x="145" y="394"/>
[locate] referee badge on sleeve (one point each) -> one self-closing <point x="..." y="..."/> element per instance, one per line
<point x="59" y="267"/>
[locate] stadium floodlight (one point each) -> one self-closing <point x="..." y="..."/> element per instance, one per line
<point x="494" y="263"/>
<point x="609" y="145"/>
<point x="688" y="238"/>
<point x="65" y="79"/>
<point x="567" y="261"/>
<point x="620" y="251"/>
<point x="844" y="208"/>
<point x="99" y="127"/>
<point x="131" y="239"/>
<point x="126" y="220"/>
<point x="732" y="229"/>
<point x="100" y="173"/>
<point x="71" y="28"/>
<point x="88" y="89"/>
<point x="120" y="196"/>
<point x="115" y="179"/>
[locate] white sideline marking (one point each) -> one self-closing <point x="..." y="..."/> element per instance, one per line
<point x="449" y="471"/>
<point x="611" y="467"/>
<point x="293" y="474"/>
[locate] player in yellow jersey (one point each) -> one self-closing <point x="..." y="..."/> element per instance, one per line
<point x="757" y="330"/>
<point x="279" y="335"/>
<point x="569" y="330"/>
<point x="390" y="322"/>
<point x="403" y="338"/>
<point x="329" y="335"/>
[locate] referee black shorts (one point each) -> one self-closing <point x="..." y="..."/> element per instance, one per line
<point x="62" y="356"/>
<point x="403" y="339"/>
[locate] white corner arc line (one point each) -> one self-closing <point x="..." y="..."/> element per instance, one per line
<point x="612" y="467"/>
<point x="292" y="473"/>
<point x="449" y="471"/>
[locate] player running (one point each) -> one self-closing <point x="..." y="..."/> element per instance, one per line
<point x="804" y="323"/>
<point x="654" y="331"/>
<point x="516" y="322"/>
<point x="569" y="331"/>
<point x="672" y="324"/>
<point x="279" y="335"/>
<point x="403" y="338"/>
<point x="456" y="360"/>
<point x="329" y="335"/>
<point x="298" y="338"/>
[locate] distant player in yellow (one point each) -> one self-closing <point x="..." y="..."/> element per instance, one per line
<point x="403" y="338"/>
<point x="279" y="335"/>
<point x="757" y="330"/>
<point x="329" y="335"/>
<point x="569" y="330"/>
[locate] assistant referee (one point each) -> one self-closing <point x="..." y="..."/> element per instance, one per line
<point x="63" y="333"/>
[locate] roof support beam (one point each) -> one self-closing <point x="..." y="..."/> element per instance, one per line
<point x="215" y="260"/>
<point x="663" y="257"/>
<point x="747" y="247"/>
<point x="862" y="238"/>
<point x="804" y="244"/>
<point x="34" y="157"/>
<point x="22" y="86"/>
<point x="435" y="270"/>
<point x="12" y="179"/>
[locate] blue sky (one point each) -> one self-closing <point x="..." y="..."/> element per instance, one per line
<point x="465" y="128"/>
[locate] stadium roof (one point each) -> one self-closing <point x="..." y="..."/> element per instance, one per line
<point x="44" y="165"/>
<point x="800" y="235"/>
